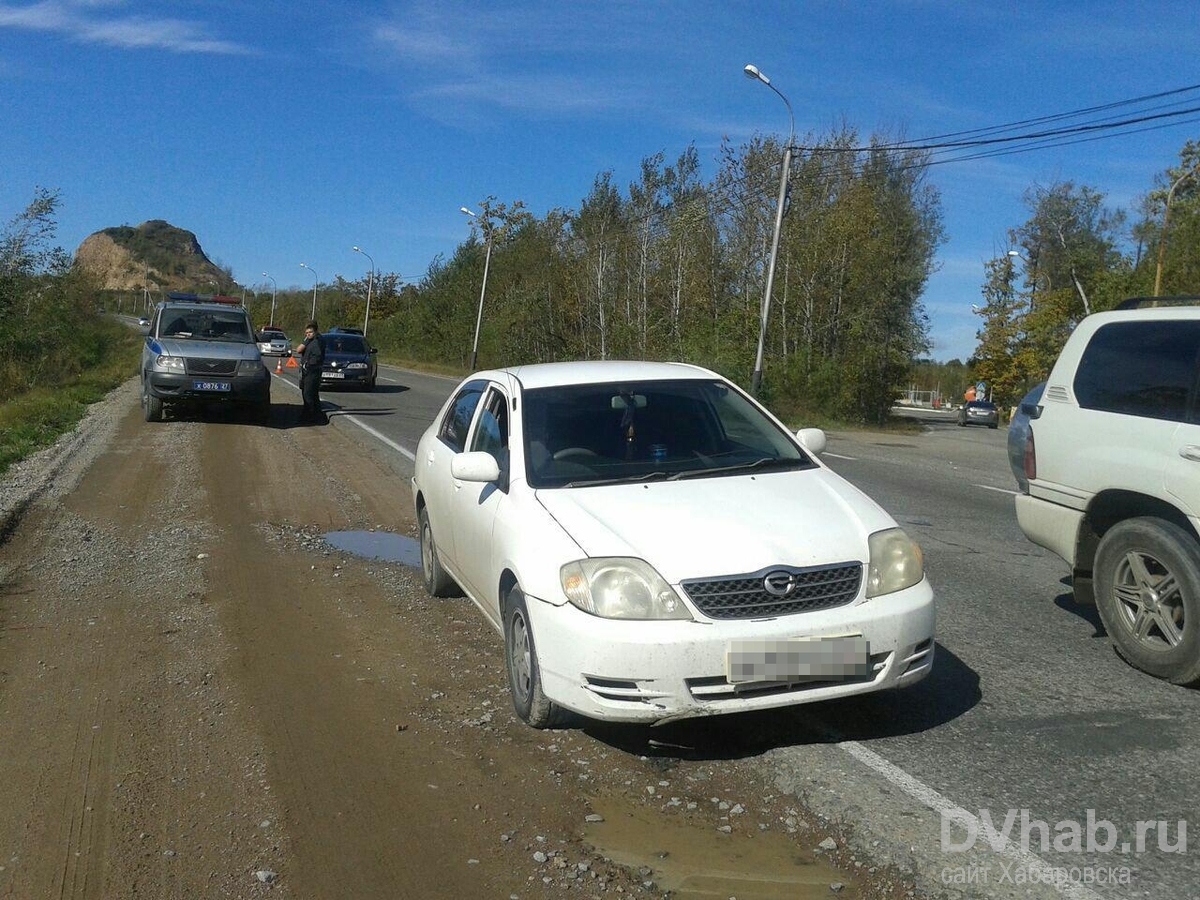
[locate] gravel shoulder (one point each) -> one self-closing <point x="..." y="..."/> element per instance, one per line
<point x="199" y="697"/>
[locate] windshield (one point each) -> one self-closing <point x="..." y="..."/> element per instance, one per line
<point x="592" y="434"/>
<point x="206" y="325"/>
<point x="343" y="343"/>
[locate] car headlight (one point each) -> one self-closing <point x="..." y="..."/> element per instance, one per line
<point x="170" y="363"/>
<point x="896" y="562"/>
<point x="356" y="366"/>
<point x="620" y="588"/>
<point x="249" y="366"/>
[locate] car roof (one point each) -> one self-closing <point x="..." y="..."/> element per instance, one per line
<point x="539" y="375"/>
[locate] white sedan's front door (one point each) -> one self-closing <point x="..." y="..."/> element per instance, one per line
<point x="475" y="506"/>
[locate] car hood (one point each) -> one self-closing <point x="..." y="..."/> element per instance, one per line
<point x="205" y="349"/>
<point x="333" y="358"/>
<point x="706" y="527"/>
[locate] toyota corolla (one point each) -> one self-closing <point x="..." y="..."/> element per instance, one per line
<point x="652" y="544"/>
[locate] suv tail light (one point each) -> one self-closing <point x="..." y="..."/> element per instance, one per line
<point x="1030" y="457"/>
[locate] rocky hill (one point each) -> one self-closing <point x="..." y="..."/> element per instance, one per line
<point x="155" y="254"/>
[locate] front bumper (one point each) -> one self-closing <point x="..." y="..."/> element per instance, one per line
<point x="172" y="387"/>
<point x="336" y="377"/>
<point x="637" y="671"/>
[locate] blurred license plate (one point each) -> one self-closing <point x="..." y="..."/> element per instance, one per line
<point x="816" y="659"/>
<point x="210" y="385"/>
<point x="333" y="375"/>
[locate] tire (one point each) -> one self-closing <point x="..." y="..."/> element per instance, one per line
<point x="521" y="662"/>
<point x="438" y="582"/>
<point x="152" y="406"/>
<point x="1158" y="633"/>
<point x="993" y="427"/>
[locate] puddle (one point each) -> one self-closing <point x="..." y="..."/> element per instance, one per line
<point x="377" y="545"/>
<point x="695" y="862"/>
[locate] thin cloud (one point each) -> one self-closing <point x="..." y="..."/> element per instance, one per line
<point x="512" y="60"/>
<point x="93" y="22"/>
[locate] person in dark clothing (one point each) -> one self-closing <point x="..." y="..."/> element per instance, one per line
<point x="312" y="354"/>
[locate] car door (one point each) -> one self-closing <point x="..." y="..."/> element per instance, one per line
<point x="476" y="505"/>
<point x="437" y="484"/>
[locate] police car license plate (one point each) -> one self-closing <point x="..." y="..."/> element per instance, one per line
<point x="210" y="386"/>
<point x="804" y="659"/>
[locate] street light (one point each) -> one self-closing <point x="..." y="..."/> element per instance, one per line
<point x="317" y="280"/>
<point x="1034" y="273"/>
<point x="1162" y="236"/>
<point x="274" y="292"/>
<point x="754" y="74"/>
<point x="370" y="279"/>
<point x="487" y="261"/>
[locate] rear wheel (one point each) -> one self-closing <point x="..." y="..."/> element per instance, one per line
<point x="524" y="673"/>
<point x="437" y="580"/>
<point x="1147" y="586"/>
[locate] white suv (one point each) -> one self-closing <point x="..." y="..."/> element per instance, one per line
<point x="1113" y="461"/>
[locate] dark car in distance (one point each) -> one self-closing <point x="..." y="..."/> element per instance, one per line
<point x="979" y="412"/>
<point x="349" y="361"/>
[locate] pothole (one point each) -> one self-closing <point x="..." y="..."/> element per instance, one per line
<point x="694" y="861"/>
<point x="377" y="545"/>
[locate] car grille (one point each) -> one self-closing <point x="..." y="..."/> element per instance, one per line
<point x="211" y="366"/>
<point x="747" y="597"/>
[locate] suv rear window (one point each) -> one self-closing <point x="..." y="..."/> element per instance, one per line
<point x="1143" y="369"/>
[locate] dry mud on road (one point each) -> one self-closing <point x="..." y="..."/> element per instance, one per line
<point x="200" y="697"/>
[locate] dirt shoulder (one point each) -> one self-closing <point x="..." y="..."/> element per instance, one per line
<point x="200" y="698"/>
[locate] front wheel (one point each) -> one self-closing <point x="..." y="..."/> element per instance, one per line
<point x="1147" y="586"/>
<point x="152" y="407"/>
<point x="524" y="673"/>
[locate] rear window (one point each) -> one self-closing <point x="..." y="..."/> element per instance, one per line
<point x="1143" y="369"/>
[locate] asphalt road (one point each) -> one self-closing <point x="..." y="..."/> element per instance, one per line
<point x="1029" y="713"/>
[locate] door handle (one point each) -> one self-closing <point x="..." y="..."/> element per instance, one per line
<point x="1191" y="451"/>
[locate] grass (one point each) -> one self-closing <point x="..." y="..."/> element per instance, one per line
<point x="37" y="418"/>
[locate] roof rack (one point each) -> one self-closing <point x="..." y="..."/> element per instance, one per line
<point x="1152" y="302"/>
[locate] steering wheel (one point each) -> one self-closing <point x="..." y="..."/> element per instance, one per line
<point x="576" y="453"/>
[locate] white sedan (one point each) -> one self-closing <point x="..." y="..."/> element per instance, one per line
<point x="653" y="545"/>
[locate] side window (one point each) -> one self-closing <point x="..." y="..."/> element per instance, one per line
<point x="491" y="434"/>
<point x="458" y="418"/>
<point x="1143" y="369"/>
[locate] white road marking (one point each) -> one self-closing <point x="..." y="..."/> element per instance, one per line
<point x="838" y="456"/>
<point x="988" y="487"/>
<point x="926" y="795"/>
<point x="408" y="454"/>
<point x="403" y="451"/>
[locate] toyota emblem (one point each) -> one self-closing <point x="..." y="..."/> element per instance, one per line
<point x="778" y="583"/>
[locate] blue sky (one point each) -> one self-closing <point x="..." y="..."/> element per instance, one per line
<point x="283" y="133"/>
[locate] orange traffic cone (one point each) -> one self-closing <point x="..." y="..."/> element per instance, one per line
<point x="279" y="366"/>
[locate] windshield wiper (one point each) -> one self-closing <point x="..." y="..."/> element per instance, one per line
<point x="625" y="479"/>
<point x="766" y="464"/>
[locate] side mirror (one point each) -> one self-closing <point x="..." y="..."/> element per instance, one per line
<point x="475" y="466"/>
<point x="812" y="439"/>
<point x="373" y="350"/>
